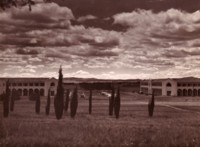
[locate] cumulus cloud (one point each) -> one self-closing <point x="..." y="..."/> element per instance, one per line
<point x="170" y="24"/>
<point x="85" y="18"/>
<point x="153" y="45"/>
<point x="25" y="51"/>
<point x="48" y="15"/>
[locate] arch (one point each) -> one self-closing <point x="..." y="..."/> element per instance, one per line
<point x="36" y="91"/>
<point x="198" y="92"/>
<point x="25" y="92"/>
<point x="195" y="92"/>
<point x="179" y="92"/>
<point x="184" y="92"/>
<point x="52" y="84"/>
<point x="20" y="92"/>
<point x="189" y="92"/>
<point x="169" y="85"/>
<point x="30" y="92"/>
<point x="13" y="90"/>
<point x="41" y="92"/>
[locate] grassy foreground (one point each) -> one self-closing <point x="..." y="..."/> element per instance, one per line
<point x="169" y="127"/>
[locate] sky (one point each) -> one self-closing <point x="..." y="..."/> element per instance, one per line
<point x="107" y="39"/>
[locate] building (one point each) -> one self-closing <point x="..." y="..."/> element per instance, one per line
<point x="27" y="86"/>
<point x="189" y="86"/>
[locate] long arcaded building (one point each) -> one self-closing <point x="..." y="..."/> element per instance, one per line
<point x="27" y="86"/>
<point x="189" y="86"/>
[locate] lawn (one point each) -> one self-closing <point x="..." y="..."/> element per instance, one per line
<point x="171" y="125"/>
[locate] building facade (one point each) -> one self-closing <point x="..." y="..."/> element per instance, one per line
<point x="27" y="86"/>
<point x="172" y="87"/>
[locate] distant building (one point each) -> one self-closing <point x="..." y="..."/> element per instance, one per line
<point x="189" y="86"/>
<point x="27" y="86"/>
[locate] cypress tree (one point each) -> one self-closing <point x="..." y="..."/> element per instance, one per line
<point x="151" y="105"/>
<point x="90" y="102"/>
<point x="12" y="100"/>
<point x="59" y="98"/>
<point x="48" y="103"/>
<point x="74" y="103"/>
<point x="67" y="100"/>
<point x="37" y="104"/>
<point x="6" y="100"/>
<point x="111" y="102"/>
<point x="117" y="103"/>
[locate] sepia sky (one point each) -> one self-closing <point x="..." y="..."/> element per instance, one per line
<point x="117" y="39"/>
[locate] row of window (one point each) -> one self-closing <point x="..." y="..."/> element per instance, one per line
<point x="188" y="84"/>
<point x="178" y="84"/>
<point x="188" y="92"/>
<point x="29" y="92"/>
<point x="28" y="84"/>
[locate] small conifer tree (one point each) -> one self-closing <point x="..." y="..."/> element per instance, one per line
<point x="117" y="103"/>
<point x="90" y="102"/>
<point x="48" y="103"/>
<point x="111" y="102"/>
<point x="6" y="96"/>
<point x="74" y="103"/>
<point x="12" y="100"/>
<point x="151" y="105"/>
<point x="37" y="104"/>
<point x="59" y="98"/>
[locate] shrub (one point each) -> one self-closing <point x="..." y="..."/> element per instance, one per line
<point x="151" y="105"/>
<point x="90" y="102"/>
<point x="117" y="103"/>
<point x="67" y="100"/>
<point x="111" y="102"/>
<point x="74" y="103"/>
<point x="48" y="103"/>
<point x="59" y="98"/>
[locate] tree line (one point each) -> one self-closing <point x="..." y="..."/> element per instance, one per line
<point x="61" y="104"/>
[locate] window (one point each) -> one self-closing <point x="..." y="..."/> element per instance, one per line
<point x="169" y="93"/>
<point x="25" y="84"/>
<point x="156" y="84"/>
<point x="25" y="92"/>
<point x="36" y="84"/>
<point x="52" y="93"/>
<point x="42" y="84"/>
<point x="52" y="84"/>
<point x="13" y="84"/>
<point x="41" y="92"/>
<point x="30" y="84"/>
<point x="19" y="84"/>
<point x="169" y="84"/>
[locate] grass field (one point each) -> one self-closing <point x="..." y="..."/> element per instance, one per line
<point x="176" y="122"/>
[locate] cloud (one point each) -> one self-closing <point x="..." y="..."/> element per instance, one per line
<point x="85" y="18"/>
<point x="171" y="24"/>
<point x="153" y="45"/>
<point x="48" y="15"/>
<point x="25" y="51"/>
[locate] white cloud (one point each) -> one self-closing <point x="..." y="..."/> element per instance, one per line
<point x="85" y="18"/>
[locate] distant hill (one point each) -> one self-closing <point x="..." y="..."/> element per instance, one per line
<point x="78" y="80"/>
